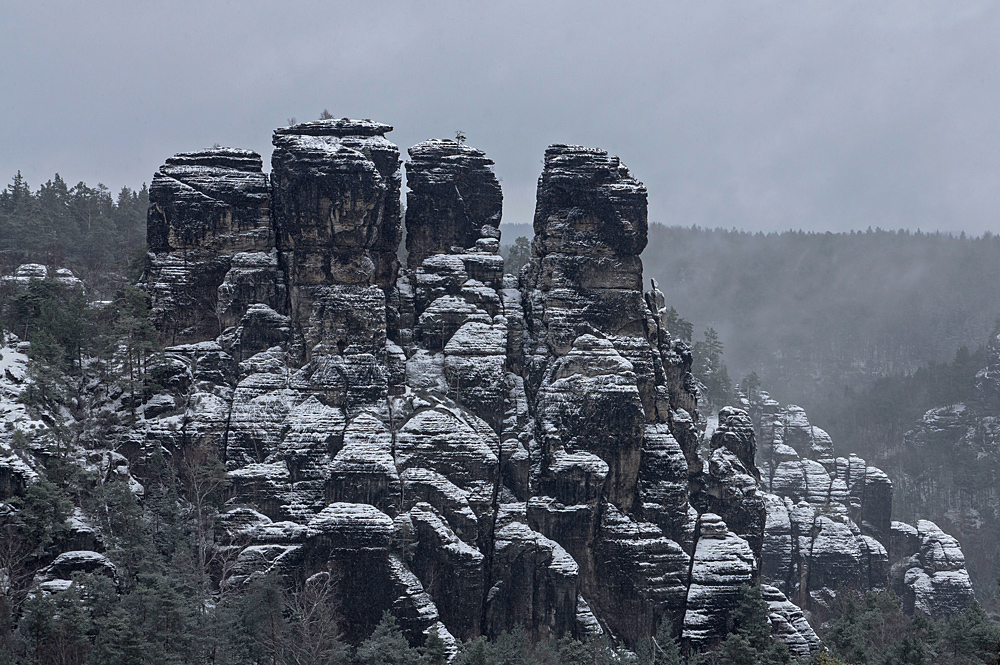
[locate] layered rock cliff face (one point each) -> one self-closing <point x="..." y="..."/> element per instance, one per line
<point x="454" y="202"/>
<point x="470" y="451"/>
<point x="211" y="242"/>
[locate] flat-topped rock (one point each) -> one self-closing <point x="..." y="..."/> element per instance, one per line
<point x="453" y="196"/>
<point x="589" y="205"/>
<point x="336" y="211"/>
<point x="205" y="208"/>
<point x="336" y="127"/>
<point x="237" y="159"/>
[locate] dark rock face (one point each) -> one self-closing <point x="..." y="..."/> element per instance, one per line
<point x="336" y="208"/>
<point x="731" y="488"/>
<point x="585" y="324"/>
<point x="585" y="272"/>
<point x="454" y="200"/>
<point x="614" y="409"/>
<point x="211" y="243"/>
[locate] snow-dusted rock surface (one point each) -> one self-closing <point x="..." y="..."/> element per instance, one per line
<point x="721" y="564"/>
<point x="211" y="243"/>
<point x="789" y="624"/>
<point x="731" y="487"/>
<point x="828" y="524"/>
<point x="947" y="470"/>
<point x="517" y="453"/>
<point x="29" y="272"/>
<point x="929" y="571"/>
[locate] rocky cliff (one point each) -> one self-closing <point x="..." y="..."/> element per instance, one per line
<point x="470" y="451"/>
<point x="829" y="524"/>
<point x="211" y="243"/>
<point x="947" y="470"/>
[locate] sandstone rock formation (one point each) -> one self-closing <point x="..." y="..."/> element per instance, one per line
<point x="529" y="447"/>
<point x="211" y="243"/>
<point x="928" y="570"/>
<point x="28" y="272"/>
<point x="335" y="187"/>
<point x="470" y="451"/>
<point x="454" y="200"/>
<point x="829" y="525"/>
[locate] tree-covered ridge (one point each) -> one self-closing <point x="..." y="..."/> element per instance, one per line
<point x="98" y="235"/>
<point x="874" y="420"/>
<point x="817" y="313"/>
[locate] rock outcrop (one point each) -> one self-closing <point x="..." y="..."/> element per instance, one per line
<point x="454" y="200"/>
<point x="531" y="445"/>
<point x="829" y="527"/>
<point x="336" y="212"/>
<point x="29" y="272"/>
<point x="211" y="243"/>
<point x="928" y="570"/>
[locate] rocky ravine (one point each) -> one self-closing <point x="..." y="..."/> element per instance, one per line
<point x="471" y="451"/>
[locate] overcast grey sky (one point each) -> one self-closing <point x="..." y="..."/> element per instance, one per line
<point x="751" y="114"/>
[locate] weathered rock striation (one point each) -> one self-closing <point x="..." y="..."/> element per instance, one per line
<point x="454" y="200"/>
<point x="211" y="243"/>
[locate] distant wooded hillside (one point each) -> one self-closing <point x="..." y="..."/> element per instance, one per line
<point x="100" y="236"/>
<point x="818" y="315"/>
<point x="822" y="316"/>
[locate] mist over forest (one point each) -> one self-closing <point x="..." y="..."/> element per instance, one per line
<point x="820" y="317"/>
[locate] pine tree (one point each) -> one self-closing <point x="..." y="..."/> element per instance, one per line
<point x="663" y="648"/>
<point x="387" y="646"/>
<point x="264" y="622"/>
<point x="678" y="326"/>
<point x="709" y="368"/>
<point x="435" y="650"/>
<point x="516" y="256"/>
<point x="119" y="641"/>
